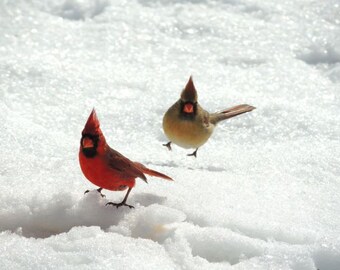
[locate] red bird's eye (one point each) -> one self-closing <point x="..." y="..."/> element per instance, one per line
<point x="87" y="143"/>
<point x="188" y="108"/>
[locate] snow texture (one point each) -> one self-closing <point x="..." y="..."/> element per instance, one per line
<point x="263" y="193"/>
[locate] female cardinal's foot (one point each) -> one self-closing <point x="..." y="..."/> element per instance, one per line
<point x="168" y="145"/>
<point x="99" y="190"/>
<point x="193" y="154"/>
<point x="120" y="204"/>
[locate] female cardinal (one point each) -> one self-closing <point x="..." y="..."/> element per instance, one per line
<point x="104" y="166"/>
<point x="188" y="125"/>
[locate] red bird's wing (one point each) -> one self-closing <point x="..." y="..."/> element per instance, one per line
<point x="123" y="166"/>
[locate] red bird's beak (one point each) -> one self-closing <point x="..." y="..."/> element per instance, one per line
<point x="188" y="108"/>
<point x="87" y="143"/>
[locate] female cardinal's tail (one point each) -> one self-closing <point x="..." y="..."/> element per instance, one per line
<point x="231" y="112"/>
<point x="152" y="172"/>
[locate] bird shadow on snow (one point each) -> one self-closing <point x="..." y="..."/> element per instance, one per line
<point x="62" y="212"/>
<point x="193" y="167"/>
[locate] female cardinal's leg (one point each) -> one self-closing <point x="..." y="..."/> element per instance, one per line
<point x="123" y="201"/>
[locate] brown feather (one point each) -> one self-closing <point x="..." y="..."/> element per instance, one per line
<point x="229" y="113"/>
<point x="189" y="93"/>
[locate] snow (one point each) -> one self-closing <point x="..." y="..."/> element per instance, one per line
<point x="263" y="193"/>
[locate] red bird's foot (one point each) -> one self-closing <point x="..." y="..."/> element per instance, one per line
<point x="168" y="145"/>
<point x="193" y="154"/>
<point x="99" y="190"/>
<point x="120" y="204"/>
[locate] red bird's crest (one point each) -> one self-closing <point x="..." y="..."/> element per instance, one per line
<point x="92" y="125"/>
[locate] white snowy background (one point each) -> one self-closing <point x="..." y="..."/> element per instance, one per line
<point x="263" y="193"/>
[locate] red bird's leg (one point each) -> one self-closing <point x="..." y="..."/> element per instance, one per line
<point x="168" y="145"/>
<point x="123" y="202"/>
<point x="99" y="190"/>
<point x="193" y="154"/>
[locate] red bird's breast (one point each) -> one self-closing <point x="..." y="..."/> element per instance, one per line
<point x="98" y="171"/>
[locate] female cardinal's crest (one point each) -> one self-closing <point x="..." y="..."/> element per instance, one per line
<point x="189" y="93"/>
<point x="92" y="124"/>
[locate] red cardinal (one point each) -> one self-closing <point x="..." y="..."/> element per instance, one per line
<point x="105" y="167"/>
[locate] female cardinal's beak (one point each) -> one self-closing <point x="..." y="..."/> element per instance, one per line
<point x="188" y="108"/>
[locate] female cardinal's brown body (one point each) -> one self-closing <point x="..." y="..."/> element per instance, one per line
<point x="104" y="166"/>
<point x="188" y="125"/>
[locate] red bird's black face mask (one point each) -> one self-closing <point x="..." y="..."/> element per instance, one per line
<point x="89" y="144"/>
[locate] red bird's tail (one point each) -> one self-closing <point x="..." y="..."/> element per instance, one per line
<point x="152" y="172"/>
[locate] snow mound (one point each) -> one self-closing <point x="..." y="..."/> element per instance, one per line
<point x="82" y="248"/>
<point x="221" y="245"/>
<point x="154" y="222"/>
<point x="40" y="219"/>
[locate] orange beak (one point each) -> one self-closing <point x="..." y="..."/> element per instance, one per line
<point x="188" y="108"/>
<point x="87" y="143"/>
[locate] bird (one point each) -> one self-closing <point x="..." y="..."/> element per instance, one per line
<point x="188" y="125"/>
<point x="106" y="167"/>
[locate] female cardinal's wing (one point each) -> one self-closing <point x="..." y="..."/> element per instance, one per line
<point x="123" y="166"/>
